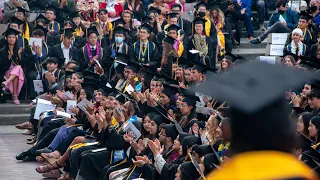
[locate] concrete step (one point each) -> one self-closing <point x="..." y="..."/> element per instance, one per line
<point x="244" y="34"/>
<point x="250" y="54"/>
<point x="14" y="109"/>
<point x="13" y="119"/>
<point x="245" y="44"/>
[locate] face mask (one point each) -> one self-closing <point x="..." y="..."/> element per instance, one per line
<point x="313" y="8"/>
<point x="118" y="40"/>
<point x="202" y="14"/>
<point x="280" y="11"/>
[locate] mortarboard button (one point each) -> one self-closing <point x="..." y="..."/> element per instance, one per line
<point x="155" y="10"/>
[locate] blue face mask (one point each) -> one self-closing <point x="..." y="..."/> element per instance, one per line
<point x="118" y="40"/>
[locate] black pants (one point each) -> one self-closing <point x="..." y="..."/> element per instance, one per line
<point x="63" y="146"/>
<point x="45" y="142"/>
<point x="50" y="125"/>
<point x="278" y="27"/>
<point x="30" y="76"/>
<point x="34" y="122"/>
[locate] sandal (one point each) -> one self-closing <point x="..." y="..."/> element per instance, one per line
<point x="15" y="101"/>
<point x="49" y="167"/>
<point x="66" y="176"/>
<point x="40" y="159"/>
<point x="54" y="174"/>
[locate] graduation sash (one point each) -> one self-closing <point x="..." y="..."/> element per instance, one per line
<point x="26" y="33"/>
<point x="124" y="49"/>
<point x="143" y="56"/>
<point x="54" y="26"/>
<point x="40" y="60"/>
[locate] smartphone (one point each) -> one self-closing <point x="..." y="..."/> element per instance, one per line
<point x="118" y="110"/>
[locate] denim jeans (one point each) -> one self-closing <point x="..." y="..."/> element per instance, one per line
<point x="278" y="27"/>
<point x="246" y="18"/>
<point x="262" y="11"/>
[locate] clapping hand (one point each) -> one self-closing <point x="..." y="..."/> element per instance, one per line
<point x="141" y="161"/>
<point x="155" y="147"/>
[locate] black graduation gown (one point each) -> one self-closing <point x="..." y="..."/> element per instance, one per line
<point x="53" y="39"/>
<point x="58" y="53"/>
<point x="84" y="59"/>
<point x="22" y="42"/>
<point x="169" y="171"/>
<point x="32" y="62"/>
<point x="110" y="55"/>
<point x="151" y="55"/>
<point x="5" y="63"/>
<point x="93" y="164"/>
<point x="59" y="74"/>
<point x="196" y="57"/>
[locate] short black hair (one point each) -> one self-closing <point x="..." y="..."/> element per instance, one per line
<point x="280" y="3"/>
<point x="176" y="5"/>
<point x="38" y="32"/>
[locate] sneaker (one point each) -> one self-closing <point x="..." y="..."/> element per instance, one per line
<point x="255" y="41"/>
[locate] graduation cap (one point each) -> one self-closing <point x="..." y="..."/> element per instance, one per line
<point x="22" y="9"/>
<point x="68" y="32"/>
<point x="119" y="21"/>
<point x="189" y="97"/>
<point x="146" y="19"/>
<point x="74" y="14"/>
<point x="10" y="31"/>
<point x="170" y="91"/>
<point x="121" y="98"/>
<point x="46" y="20"/>
<point x="172" y="15"/>
<point x="90" y="76"/>
<point x="202" y="149"/>
<point x="288" y="53"/>
<point x="199" y="20"/>
<point x="154" y="10"/>
<point x="315" y="91"/>
<point x="202" y="68"/>
<point x="146" y="27"/>
<point x="312" y="153"/>
<point x="184" y="63"/>
<point x="170" y="81"/>
<point x="93" y="29"/>
<point x="211" y="161"/>
<point x="250" y="82"/>
<point x="45" y="30"/>
<point x="195" y="165"/>
<point x="201" y="3"/>
<point x="169" y="40"/>
<point x="173" y="27"/>
<point x="305" y="15"/>
<point x="232" y="57"/>
<point x="15" y="20"/>
<point x="309" y="63"/>
<point x="53" y="8"/>
<point x="120" y="30"/>
<point x="89" y="86"/>
<point x="171" y="131"/>
<point x="133" y="66"/>
<point x="298" y="110"/>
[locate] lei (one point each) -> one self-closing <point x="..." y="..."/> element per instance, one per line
<point x="98" y="49"/>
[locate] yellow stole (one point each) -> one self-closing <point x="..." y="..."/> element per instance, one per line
<point x="26" y="33"/>
<point x="263" y="165"/>
<point x="78" y="31"/>
<point x="207" y="26"/>
<point x="127" y="84"/>
<point x="109" y="26"/>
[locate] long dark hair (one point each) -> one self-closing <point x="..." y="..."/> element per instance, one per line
<point x="306" y="117"/>
<point x="15" y="47"/>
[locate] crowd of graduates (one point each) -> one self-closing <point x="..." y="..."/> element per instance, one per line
<point x="142" y="66"/>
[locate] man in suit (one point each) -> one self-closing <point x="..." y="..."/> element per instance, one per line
<point x="54" y="78"/>
<point x="65" y="50"/>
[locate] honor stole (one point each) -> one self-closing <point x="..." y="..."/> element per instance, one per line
<point x="143" y="56"/>
<point x="87" y="59"/>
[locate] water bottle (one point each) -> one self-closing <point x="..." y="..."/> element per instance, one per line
<point x="191" y="13"/>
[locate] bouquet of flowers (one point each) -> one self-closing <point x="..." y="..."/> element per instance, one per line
<point x="88" y="9"/>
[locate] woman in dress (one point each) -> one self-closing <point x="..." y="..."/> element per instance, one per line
<point x="217" y="17"/>
<point x="10" y="68"/>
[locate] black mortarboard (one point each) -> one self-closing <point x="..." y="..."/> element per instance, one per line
<point x="154" y="10"/>
<point x="93" y="29"/>
<point x="211" y="161"/>
<point x="172" y="15"/>
<point x="250" y="86"/>
<point x="10" y="31"/>
<point x="173" y="27"/>
<point x="298" y="110"/>
<point x="201" y="3"/>
<point x="146" y="19"/>
<point x="54" y="60"/>
<point x="158" y="110"/>
<point x="43" y="17"/>
<point x="89" y="86"/>
<point x="315" y="91"/>
<point x="15" y="20"/>
<point x="169" y="40"/>
<point x="119" y="21"/>
<point x="133" y="66"/>
<point x="53" y="8"/>
<point x="200" y="67"/>
<point x="68" y="74"/>
<point x="170" y="81"/>
<point x="169" y="91"/>
<point x="122" y="57"/>
<point x="199" y="20"/>
<point x="68" y="31"/>
<point x="74" y="15"/>
<point x="202" y="149"/>
<point x="286" y="53"/>
<point x="22" y="9"/>
<point x="120" y="98"/>
<point x="314" y="154"/>
<point x="189" y="97"/>
<point x="232" y="57"/>
<point x="120" y="30"/>
<point x="310" y="63"/>
<point x="90" y="76"/>
<point x="146" y="27"/>
<point x="184" y="63"/>
<point x="171" y="131"/>
<point x="45" y="30"/>
<point x="192" y="169"/>
<point x="305" y="15"/>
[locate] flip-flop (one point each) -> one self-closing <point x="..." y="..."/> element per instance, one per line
<point x="54" y="174"/>
<point x="40" y="159"/>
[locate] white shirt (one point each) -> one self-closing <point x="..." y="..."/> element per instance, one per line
<point x="120" y="48"/>
<point x="66" y="52"/>
<point x="94" y="47"/>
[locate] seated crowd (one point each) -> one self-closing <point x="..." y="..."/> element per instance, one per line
<point x="134" y="63"/>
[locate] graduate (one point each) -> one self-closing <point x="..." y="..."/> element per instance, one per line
<point x="184" y="24"/>
<point x="51" y="15"/>
<point x="80" y="28"/>
<point x="42" y="21"/>
<point x="53" y="79"/>
<point x="153" y="19"/>
<point x="33" y="58"/>
<point x="92" y="52"/>
<point x="66" y="50"/>
<point x="255" y="117"/>
<point x="65" y="7"/>
<point x="105" y="24"/>
<point x="201" y="42"/>
<point x="145" y="52"/>
<point x="17" y="24"/>
<point x="118" y="47"/>
<point x="27" y="27"/>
